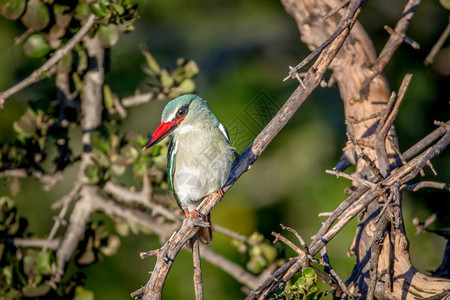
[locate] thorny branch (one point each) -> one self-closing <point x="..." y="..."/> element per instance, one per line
<point x="396" y="38"/>
<point x="366" y="194"/>
<point x="350" y="207"/>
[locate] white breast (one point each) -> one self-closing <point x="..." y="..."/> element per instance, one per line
<point x="201" y="167"/>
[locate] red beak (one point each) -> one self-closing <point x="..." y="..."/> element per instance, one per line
<point x="163" y="130"/>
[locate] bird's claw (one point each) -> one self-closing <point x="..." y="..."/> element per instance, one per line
<point x="220" y="192"/>
<point x="196" y="214"/>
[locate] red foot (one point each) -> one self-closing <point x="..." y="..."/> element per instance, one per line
<point x="194" y="213"/>
<point x="220" y="192"/>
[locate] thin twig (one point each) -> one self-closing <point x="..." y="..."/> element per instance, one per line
<point x="336" y="8"/>
<point x="138" y="99"/>
<point x="422" y="226"/>
<point x="293" y="70"/>
<point x="149" y="253"/>
<point x="395" y="40"/>
<point x="198" y="281"/>
<point x="426" y="184"/>
<point x="48" y="180"/>
<point x="233" y="269"/>
<point x="405" y="38"/>
<point x="425" y="142"/>
<point x="123" y="193"/>
<point x="385" y="125"/>
<point x="351" y="177"/>
<point x="279" y="237"/>
<point x="377" y="245"/>
<point x="362" y="155"/>
<point x="324" y="214"/>
<point x="20" y="38"/>
<point x="234" y="235"/>
<point x="329" y="269"/>
<point x="430" y="57"/>
<point x="297" y="235"/>
<point x="66" y="200"/>
<point x="31" y="242"/>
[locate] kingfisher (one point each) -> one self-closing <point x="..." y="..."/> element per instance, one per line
<point x="199" y="155"/>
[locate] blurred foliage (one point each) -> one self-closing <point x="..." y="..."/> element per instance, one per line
<point x="24" y="271"/>
<point x="258" y="252"/>
<point x="237" y="51"/>
<point x="304" y="288"/>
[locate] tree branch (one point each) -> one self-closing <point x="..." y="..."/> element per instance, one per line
<point x="198" y="281"/>
<point x="42" y="72"/>
<point x="395" y="40"/>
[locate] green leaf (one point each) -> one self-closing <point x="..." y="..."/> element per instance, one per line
<point x="99" y="9"/>
<point x="191" y="69"/>
<point x="166" y="79"/>
<point x="269" y="252"/>
<point x="77" y="81"/>
<point x="36" y="16"/>
<point x="108" y="98"/>
<point x="187" y="86"/>
<point x="28" y="265"/>
<point x="151" y="61"/>
<point x="8" y="273"/>
<point x="142" y="140"/>
<point x="108" y="35"/>
<point x="256" y="237"/>
<point x="82" y="10"/>
<point x="82" y="293"/>
<point x="27" y="123"/>
<point x="120" y="10"/>
<point x="101" y="145"/>
<point x="256" y="264"/>
<point x="91" y="175"/>
<point x="12" y="9"/>
<point x="43" y="262"/>
<point x="122" y="228"/>
<point x="36" y="46"/>
<point x="82" y="58"/>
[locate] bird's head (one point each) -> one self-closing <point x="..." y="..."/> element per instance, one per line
<point x="178" y="112"/>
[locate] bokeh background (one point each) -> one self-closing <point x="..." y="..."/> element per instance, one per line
<point x="243" y="49"/>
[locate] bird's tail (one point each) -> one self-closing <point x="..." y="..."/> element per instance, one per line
<point x="205" y="233"/>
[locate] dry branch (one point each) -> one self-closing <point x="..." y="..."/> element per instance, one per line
<point x="396" y="38"/>
<point x="198" y="281"/>
<point x="430" y="57"/>
<point x="372" y="110"/>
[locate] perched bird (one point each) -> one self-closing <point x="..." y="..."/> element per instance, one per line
<point x="199" y="156"/>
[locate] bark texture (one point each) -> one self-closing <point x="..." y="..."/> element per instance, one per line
<point x="377" y="234"/>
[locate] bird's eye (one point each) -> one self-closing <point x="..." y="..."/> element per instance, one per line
<point x="182" y="112"/>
